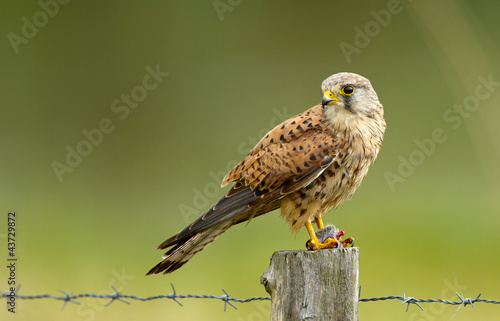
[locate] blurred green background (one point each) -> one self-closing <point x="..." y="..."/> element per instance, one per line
<point x="235" y="70"/>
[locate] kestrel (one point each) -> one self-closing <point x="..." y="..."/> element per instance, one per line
<point x="307" y="166"/>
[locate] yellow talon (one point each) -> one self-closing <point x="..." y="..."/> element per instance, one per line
<point x="314" y="243"/>
<point x="314" y="239"/>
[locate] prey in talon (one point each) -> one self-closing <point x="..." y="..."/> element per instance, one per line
<point x="328" y="237"/>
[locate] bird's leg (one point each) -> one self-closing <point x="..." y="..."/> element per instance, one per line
<point x="319" y="223"/>
<point x="314" y="243"/>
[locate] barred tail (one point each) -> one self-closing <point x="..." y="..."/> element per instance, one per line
<point x="185" y="250"/>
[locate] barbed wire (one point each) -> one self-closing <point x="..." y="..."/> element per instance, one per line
<point x="227" y="299"/>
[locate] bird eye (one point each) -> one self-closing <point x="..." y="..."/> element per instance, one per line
<point x="347" y="90"/>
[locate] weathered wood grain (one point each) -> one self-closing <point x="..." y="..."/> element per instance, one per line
<point x="313" y="285"/>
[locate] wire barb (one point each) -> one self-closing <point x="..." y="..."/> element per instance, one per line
<point x="226" y="299"/>
<point x="174" y="295"/>
<point x="410" y="300"/>
<point x="115" y="296"/>
<point x="464" y="302"/>
<point x="67" y="298"/>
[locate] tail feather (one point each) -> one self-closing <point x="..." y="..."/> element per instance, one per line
<point x="225" y="209"/>
<point x="184" y="251"/>
<point x="229" y="210"/>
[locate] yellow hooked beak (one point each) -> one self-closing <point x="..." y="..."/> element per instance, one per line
<point x="328" y="98"/>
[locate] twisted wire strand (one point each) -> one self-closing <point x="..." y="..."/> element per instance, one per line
<point x="226" y="298"/>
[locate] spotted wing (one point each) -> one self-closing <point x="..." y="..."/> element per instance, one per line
<point x="288" y="158"/>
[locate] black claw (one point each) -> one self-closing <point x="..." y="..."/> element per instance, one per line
<point x="309" y="245"/>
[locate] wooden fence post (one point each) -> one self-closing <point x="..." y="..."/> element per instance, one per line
<point x="313" y="285"/>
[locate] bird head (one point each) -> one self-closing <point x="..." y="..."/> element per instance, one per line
<point x="348" y="97"/>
